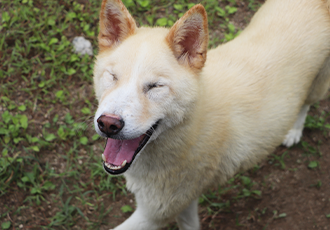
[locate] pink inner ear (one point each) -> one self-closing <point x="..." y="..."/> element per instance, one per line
<point x="112" y="24"/>
<point x="191" y="41"/>
<point x="188" y="38"/>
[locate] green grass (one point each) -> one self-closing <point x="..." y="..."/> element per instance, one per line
<point x="50" y="161"/>
<point x="50" y="155"/>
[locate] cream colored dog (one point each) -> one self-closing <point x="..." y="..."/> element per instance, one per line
<point x="180" y="119"/>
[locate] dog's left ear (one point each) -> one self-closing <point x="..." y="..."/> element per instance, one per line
<point x="188" y="38"/>
<point x="116" y="24"/>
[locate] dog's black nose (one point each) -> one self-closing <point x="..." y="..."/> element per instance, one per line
<point x="110" y="125"/>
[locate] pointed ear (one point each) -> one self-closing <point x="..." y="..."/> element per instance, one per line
<point x="116" y="24"/>
<point x="188" y="38"/>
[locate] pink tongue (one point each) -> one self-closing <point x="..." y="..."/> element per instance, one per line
<point x="116" y="151"/>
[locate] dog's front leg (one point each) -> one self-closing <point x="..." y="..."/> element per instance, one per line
<point x="139" y="220"/>
<point x="188" y="218"/>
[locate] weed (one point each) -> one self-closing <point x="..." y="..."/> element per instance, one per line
<point x="317" y="185"/>
<point x="279" y="159"/>
<point x="253" y="5"/>
<point x="6" y="225"/>
<point x="277" y="216"/>
<point x="33" y="181"/>
<point x="247" y="190"/>
<point x="310" y="150"/>
<point x="318" y="122"/>
<point x="126" y="208"/>
<point x="313" y="164"/>
<point x="67" y="215"/>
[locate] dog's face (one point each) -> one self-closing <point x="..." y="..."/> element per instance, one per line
<point x="137" y="82"/>
<point x="145" y="79"/>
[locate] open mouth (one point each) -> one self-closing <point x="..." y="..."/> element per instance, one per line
<point x="119" y="154"/>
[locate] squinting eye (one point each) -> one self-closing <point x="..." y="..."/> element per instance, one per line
<point x="154" y="85"/>
<point x="110" y="76"/>
<point x="114" y="77"/>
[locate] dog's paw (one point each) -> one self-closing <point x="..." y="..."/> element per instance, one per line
<point x="293" y="137"/>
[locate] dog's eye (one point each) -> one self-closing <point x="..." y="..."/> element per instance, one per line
<point x="110" y="76"/>
<point x="108" y="80"/>
<point x="114" y="77"/>
<point x="153" y="85"/>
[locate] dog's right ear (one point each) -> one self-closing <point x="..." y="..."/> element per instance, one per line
<point x="116" y="24"/>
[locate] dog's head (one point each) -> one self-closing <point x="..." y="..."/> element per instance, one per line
<point x="145" y="79"/>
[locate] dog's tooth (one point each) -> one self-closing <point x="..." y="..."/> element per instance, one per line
<point x="124" y="163"/>
<point x="103" y="157"/>
<point x="113" y="167"/>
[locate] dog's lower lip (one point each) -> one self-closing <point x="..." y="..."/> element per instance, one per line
<point x="115" y="170"/>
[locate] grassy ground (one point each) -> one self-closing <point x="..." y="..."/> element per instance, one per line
<point x="50" y="165"/>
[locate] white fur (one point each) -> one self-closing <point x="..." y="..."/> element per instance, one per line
<point x="188" y="218"/>
<point x="139" y="221"/>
